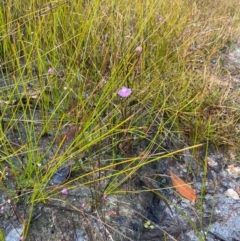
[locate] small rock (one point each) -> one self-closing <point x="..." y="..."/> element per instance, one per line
<point x="231" y="193"/>
<point x="187" y="156"/>
<point x="233" y="171"/>
<point x="80" y="235"/>
<point x="61" y="175"/>
<point x="14" y="234"/>
<point x="211" y="162"/>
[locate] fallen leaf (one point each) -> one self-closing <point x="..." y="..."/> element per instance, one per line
<point x="183" y="188"/>
<point x="231" y="193"/>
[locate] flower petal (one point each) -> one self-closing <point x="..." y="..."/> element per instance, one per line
<point x="124" y="92"/>
<point x="65" y="191"/>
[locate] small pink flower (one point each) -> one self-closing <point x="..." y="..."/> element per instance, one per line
<point x="160" y="19"/>
<point x="139" y="49"/>
<point x="22" y="238"/>
<point x="124" y="92"/>
<point x="50" y="71"/>
<point x="65" y="191"/>
<point x="83" y="205"/>
<point x="2" y="208"/>
<point x="105" y="197"/>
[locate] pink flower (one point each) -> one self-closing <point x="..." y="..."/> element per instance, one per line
<point x="139" y="49"/>
<point x="105" y="197"/>
<point x="160" y="19"/>
<point x="50" y="71"/>
<point x="65" y="191"/>
<point x="124" y="92"/>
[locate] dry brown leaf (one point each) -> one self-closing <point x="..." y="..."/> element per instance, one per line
<point x="183" y="188"/>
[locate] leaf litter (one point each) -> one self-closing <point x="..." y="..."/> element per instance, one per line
<point x="183" y="188"/>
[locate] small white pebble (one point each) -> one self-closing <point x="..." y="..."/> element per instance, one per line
<point x="231" y="193"/>
<point x="211" y="162"/>
<point x="233" y="171"/>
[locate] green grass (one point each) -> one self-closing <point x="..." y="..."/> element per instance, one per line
<point x="91" y="47"/>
